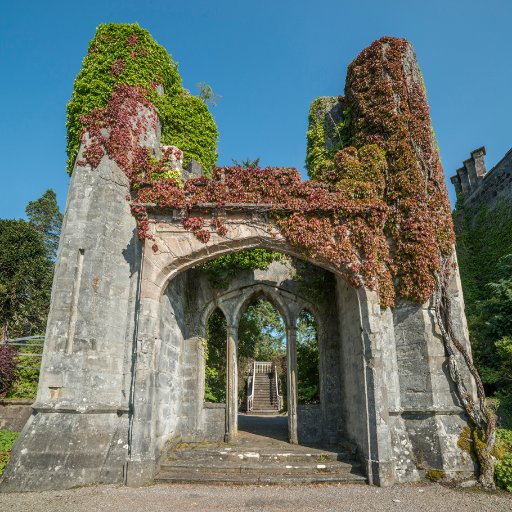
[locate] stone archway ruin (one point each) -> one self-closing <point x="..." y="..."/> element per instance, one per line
<point x="121" y="370"/>
<point x="98" y="416"/>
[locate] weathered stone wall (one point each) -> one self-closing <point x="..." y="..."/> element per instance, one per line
<point x="309" y="429"/>
<point x="79" y="432"/>
<point x="14" y="414"/>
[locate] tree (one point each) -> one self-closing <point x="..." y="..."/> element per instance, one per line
<point x="25" y="279"/>
<point x="215" y="358"/>
<point x="249" y="164"/>
<point x="44" y="215"/>
<point x="207" y="95"/>
<point x="491" y="325"/>
<point x="261" y="333"/>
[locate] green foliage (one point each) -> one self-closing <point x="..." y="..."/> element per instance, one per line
<point x="26" y="375"/>
<point x="483" y="237"/>
<point x="503" y="472"/>
<point x="44" y="215"/>
<point x="7" y="440"/>
<point x="484" y="251"/>
<point x="261" y="336"/>
<point x="221" y="270"/>
<point x="124" y="53"/>
<point x="308" y="359"/>
<point x="187" y="124"/>
<point x="503" y="452"/>
<point x="26" y="275"/>
<point x="261" y="333"/>
<point x="247" y="163"/>
<point x="325" y="135"/>
<point x="215" y="355"/>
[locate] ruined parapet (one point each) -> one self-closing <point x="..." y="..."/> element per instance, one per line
<point x="477" y="187"/>
<point x="470" y="176"/>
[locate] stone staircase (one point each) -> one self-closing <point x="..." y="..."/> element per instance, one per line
<point x="231" y="465"/>
<point x="265" y="394"/>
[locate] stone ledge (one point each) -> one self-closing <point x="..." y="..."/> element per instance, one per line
<point x="426" y="412"/>
<point x="212" y="405"/>
<point x="97" y="409"/>
<point x="14" y="401"/>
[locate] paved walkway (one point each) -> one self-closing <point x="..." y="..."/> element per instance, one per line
<point x="268" y="429"/>
<point x="184" y="498"/>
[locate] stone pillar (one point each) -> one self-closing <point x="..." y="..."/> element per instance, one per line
<point x="291" y="357"/>
<point x="231" y="384"/>
<point x="465" y="186"/>
<point x="80" y="417"/>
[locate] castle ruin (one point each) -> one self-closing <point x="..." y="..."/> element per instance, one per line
<point x="123" y="366"/>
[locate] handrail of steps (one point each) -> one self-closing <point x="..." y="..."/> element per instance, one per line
<point x="279" y="396"/>
<point x="250" y="384"/>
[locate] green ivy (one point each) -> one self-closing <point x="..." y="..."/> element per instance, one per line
<point x="483" y="236"/>
<point x="26" y="375"/>
<point x="223" y="269"/>
<point x="124" y="53"/>
<point x="484" y="239"/>
<point x="503" y="472"/>
<point x="325" y="135"/>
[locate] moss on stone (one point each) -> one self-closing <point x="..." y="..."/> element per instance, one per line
<point x="435" y="474"/>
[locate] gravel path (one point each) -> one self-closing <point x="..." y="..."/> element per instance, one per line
<point x="182" y="498"/>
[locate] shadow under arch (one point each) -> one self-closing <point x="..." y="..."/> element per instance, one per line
<point x="309" y="361"/>
<point x="215" y="357"/>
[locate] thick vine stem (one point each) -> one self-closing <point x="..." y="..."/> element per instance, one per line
<point x="481" y="417"/>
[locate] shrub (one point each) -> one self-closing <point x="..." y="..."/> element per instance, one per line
<point x="7" y="368"/>
<point x="26" y="374"/>
<point x="503" y="472"/>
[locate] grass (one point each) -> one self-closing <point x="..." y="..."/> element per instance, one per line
<point x="7" y="440"/>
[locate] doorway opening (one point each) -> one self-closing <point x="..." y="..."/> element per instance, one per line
<point x="262" y="368"/>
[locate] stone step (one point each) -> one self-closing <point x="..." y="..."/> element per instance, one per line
<point x="266" y="412"/>
<point x="242" y="479"/>
<point x="277" y="456"/>
<point x="239" y="466"/>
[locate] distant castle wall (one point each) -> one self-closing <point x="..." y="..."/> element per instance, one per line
<point x="479" y="187"/>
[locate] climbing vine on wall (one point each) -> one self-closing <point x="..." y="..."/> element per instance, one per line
<point x="123" y="54"/>
<point x="386" y="185"/>
<point x="328" y="132"/>
<point x="224" y="268"/>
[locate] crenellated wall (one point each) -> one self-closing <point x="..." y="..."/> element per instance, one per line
<point x="477" y="187"/>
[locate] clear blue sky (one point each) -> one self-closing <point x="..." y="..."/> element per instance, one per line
<point x="268" y="59"/>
